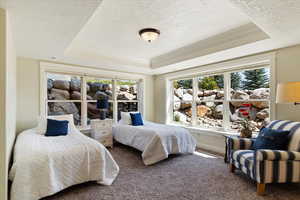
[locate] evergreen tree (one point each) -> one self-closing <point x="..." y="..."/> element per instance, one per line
<point x="235" y="80"/>
<point x="254" y="79"/>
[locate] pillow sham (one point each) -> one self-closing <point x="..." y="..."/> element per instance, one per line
<point x="136" y="119"/>
<point x="57" y="127"/>
<point x="271" y="139"/>
<point x="126" y="118"/>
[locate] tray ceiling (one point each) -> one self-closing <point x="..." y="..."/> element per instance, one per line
<point x="104" y="33"/>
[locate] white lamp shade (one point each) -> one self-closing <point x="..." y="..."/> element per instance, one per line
<point x="288" y="92"/>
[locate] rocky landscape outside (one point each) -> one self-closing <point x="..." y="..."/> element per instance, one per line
<point x="251" y="87"/>
<point x="68" y="89"/>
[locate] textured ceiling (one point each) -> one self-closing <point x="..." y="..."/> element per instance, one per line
<point x="104" y="33"/>
<point x="278" y="18"/>
<point x="113" y="30"/>
<point x="44" y="28"/>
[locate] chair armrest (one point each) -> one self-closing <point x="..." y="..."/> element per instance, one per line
<point x="235" y="143"/>
<point x="277" y="155"/>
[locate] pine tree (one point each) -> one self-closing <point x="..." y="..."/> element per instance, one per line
<point x="235" y="80"/>
<point x="254" y="79"/>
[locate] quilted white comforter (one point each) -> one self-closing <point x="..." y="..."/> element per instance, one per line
<point x="45" y="165"/>
<point x="156" y="141"/>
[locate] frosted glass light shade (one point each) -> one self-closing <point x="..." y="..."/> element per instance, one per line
<point x="288" y="92"/>
<point x="149" y="34"/>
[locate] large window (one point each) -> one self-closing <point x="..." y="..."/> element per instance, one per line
<point x="77" y="95"/>
<point x="213" y="101"/>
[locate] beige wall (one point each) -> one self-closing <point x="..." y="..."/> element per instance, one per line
<point x="28" y="82"/>
<point x="28" y="103"/>
<point x="2" y="107"/>
<point x="8" y="99"/>
<point x="287" y="68"/>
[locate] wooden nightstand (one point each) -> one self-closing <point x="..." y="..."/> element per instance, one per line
<point x="101" y="130"/>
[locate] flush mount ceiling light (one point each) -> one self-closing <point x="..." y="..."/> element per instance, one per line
<point x="149" y="34"/>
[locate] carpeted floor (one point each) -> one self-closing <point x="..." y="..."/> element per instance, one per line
<point x="184" y="177"/>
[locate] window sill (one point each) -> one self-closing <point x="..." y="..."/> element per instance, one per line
<point x="209" y="131"/>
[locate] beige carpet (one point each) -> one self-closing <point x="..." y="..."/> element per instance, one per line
<point x="188" y="177"/>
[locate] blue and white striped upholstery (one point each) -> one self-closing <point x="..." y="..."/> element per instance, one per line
<point x="268" y="166"/>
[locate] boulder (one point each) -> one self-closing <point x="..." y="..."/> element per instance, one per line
<point x="209" y="92"/>
<point x="263" y="114"/>
<point x="124" y="88"/>
<point x="220" y="94"/>
<point x="64" y="108"/>
<point x="76" y="95"/>
<point x="106" y="87"/>
<point x="177" y="105"/>
<point x="178" y="92"/>
<point x="185" y="105"/>
<point x="261" y="104"/>
<point x="109" y="93"/>
<point x="261" y="93"/>
<point x="203" y="110"/>
<point x="49" y="84"/>
<point x="240" y="95"/>
<point x="95" y="87"/>
<point x="100" y="95"/>
<point x="75" y="84"/>
<point x="125" y="96"/>
<point x="200" y="93"/>
<point x="61" y="84"/>
<point x="176" y="98"/>
<point x="190" y="91"/>
<point x="57" y="94"/>
<point x="187" y="97"/>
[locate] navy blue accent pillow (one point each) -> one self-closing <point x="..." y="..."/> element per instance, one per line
<point x="271" y="139"/>
<point x="136" y="119"/>
<point x="56" y="127"/>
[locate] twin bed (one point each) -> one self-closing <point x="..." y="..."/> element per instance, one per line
<point x="155" y="141"/>
<point x="45" y="165"/>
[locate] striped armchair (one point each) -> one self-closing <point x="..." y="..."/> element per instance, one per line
<point x="267" y="166"/>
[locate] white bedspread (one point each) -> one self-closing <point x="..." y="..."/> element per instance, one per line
<point x="156" y="141"/>
<point x="46" y="165"/>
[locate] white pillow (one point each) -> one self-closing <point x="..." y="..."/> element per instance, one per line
<point x="126" y="118"/>
<point x="42" y="122"/>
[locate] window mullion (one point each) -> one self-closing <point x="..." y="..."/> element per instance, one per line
<point x="194" y="103"/>
<point x="226" y="108"/>
<point x="83" y="102"/>
<point x="115" y="102"/>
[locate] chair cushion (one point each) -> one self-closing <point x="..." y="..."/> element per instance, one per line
<point x="271" y="139"/>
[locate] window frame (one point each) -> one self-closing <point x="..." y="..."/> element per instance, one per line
<point x="84" y="74"/>
<point x="254" y="62"/>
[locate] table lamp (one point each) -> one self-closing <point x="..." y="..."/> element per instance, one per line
<point x="102" y="104"/>
<point x="288" y="92"/>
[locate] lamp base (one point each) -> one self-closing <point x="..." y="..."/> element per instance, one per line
<point x="102" y="114"/>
